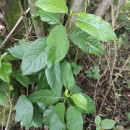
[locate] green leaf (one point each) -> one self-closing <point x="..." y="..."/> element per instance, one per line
<point x="76" y="68"/>
<point x="52" y="6"/>
<point x="67" y="75"/>
<point x="60" y="111"/>
<point x="76" y="89"/>
<point x="52" y="119"/>
<point x="47" y="115"/>
<point x="95" y="26"/>
<point x="24" y="111"/>
<point x="19" y="50"/>
<point x="98" y="127"/>
<point x="9" y="57"/>
<point x="4" y="88"/>
<point x="50" y="18"/>
<point x="33" y="78"/>
<point x="41" y="106"/>
<point x="5" y="71"/>
<point x="42" y="82"/>
<point x="3" y="100"/>
<point x="108" y="123"/>
<point x="53" y="75"/>
<point x="35" y="57"/>
<point x="90" y="103"/>
<point x="80" y="100"/>
<point x="37" y="118"/>
<point x="91" y="106"/>
<point x="44" y="96"/>
<point x="22" y="79"/>
<point x="86" y="42"/>
<point x="93" y="72"/>
<point x="98" y="120"/>
<point x="58" y="44"/>
<point x="74" y="119"/>
<point x="2" y="57"/>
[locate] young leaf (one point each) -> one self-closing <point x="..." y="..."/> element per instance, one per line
<point x="5" y="71"/>
<point x="19" y="50"/>
<point x="93" y="72"/>
<point x="67" y="75"/>
<point x="86" y="42"/>
<point x="98" y="120"/>
<point x="22" y="79"/>
<point x="91" y="106"/>
<point x="44" y="96"/>
<point x="108" y="123"/>
<point x="80" y="100"/>
<point x="50" y="18"/>
<point x="58" y="44"/>
<point x="24" y="111"/>
<point x="76" y="68"/>
<point x="74" y="119"/>
<point x="35" y="57"/>
<point x="52" y="117"/>
<point x="53" y="75"/>
<point x="95" y="26"/>
<point x="52" y="6"/>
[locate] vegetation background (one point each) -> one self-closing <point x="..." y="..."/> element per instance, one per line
<point x="103" y="77"/>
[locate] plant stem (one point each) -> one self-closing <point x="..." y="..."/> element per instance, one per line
<point x="38" y="24"/>
<point x="76" y="6"/>
<point x="10" y="110"/>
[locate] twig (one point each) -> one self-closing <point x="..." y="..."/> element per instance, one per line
<point x="10" y="110"/>
<point x="12" y="31"/>
<point x="3" y="119"/>
<point x="76" y="55"/>
<point x="25" y="18"/>
<point x="114" y="62"/>
<point x="126" y="62"/>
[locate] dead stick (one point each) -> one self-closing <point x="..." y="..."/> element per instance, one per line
<point x="12" y="31"/>
<point x="114" y="62"/>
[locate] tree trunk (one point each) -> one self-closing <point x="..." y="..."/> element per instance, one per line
<point x="11" y="12"/>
